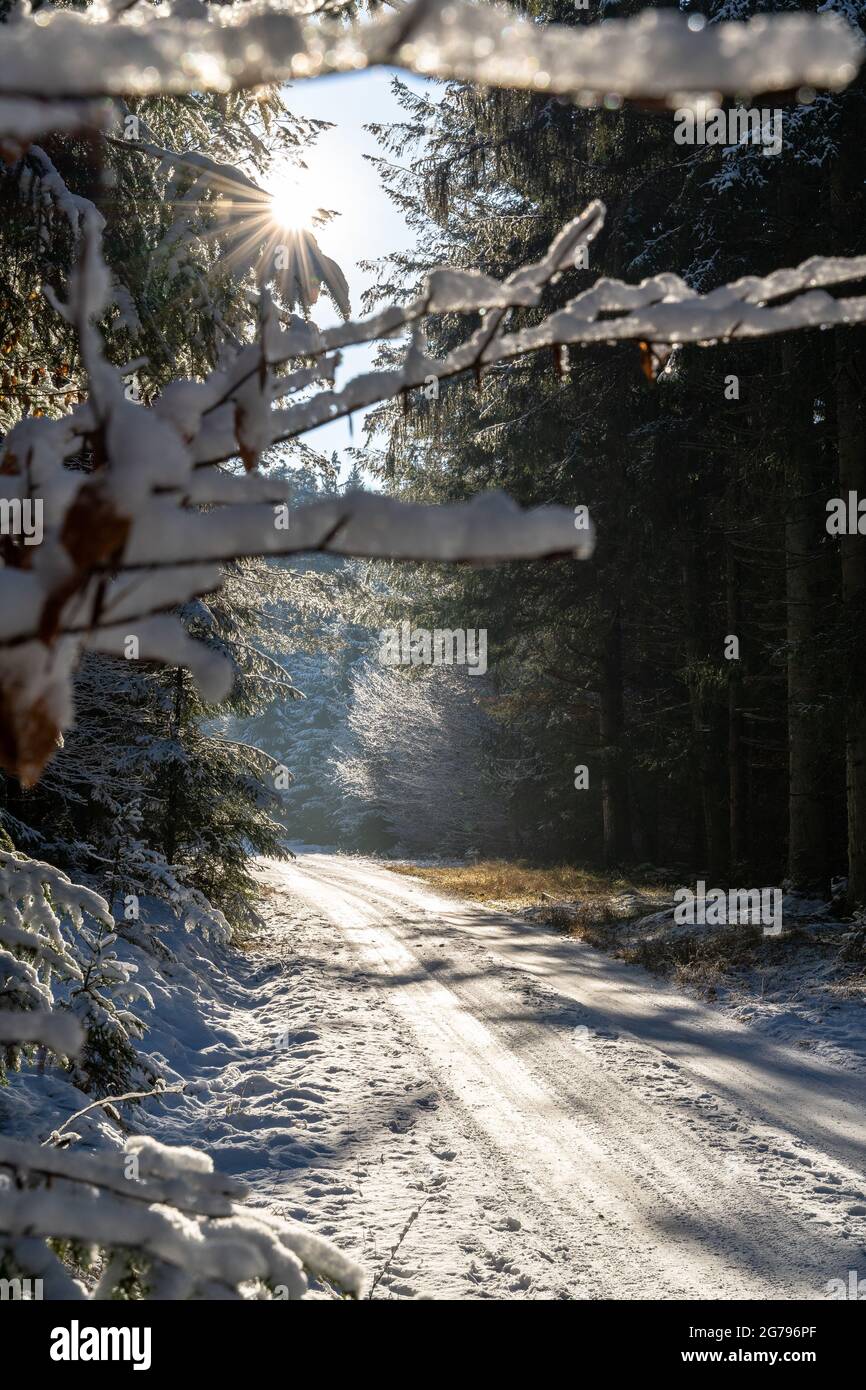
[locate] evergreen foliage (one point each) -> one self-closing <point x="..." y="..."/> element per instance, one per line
<point x="710" y="497"/>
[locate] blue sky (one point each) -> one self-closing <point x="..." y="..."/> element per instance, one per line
<point x="339" y="177"/>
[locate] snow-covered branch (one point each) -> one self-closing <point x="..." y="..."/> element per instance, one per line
<point x="167" y="505"/>
<point x="157" y="1215"/>
<point x="656" y="56"/>
<point x="52" y="928"/>
<point x="23" y="120"/>
<point x="161" y="1214"/>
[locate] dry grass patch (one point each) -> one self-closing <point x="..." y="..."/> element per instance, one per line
<point x="706" y="960"/>
<point x="696" y="959"/>
<point x="582" y="901"/>
<point x="513" y="882"/>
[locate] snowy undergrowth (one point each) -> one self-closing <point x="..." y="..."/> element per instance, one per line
<point x="277" y="1090"/>
<point x="301" y="1081"/>
<point x="805" y="989"/>
<point x="88" y="1204"/>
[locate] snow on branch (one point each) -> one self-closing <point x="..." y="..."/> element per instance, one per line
<point x="656" y="56"/>
<point x="166" y="1209"/>
<point x="24" y="120"/>
<point x="35" y="898"/>
<point x="52" y="928"/>
<point x="664" y="309"/>
<point x="159" y="1213"/>
<point x="176" y="494"/>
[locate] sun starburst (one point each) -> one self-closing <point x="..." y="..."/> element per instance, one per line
<point x="294" y="207"/>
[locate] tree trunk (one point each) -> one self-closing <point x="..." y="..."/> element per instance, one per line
<point x="707" y="710"/>
<point x="737" y="803"/>
<point x="850" y="422"/>
<point x="850" y="357"/>
<point x="808" y="849"/>
<point x="169" y="835"/>
<point x="616" y="814"/>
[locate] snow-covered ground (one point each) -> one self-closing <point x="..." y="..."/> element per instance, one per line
<point x="479" y="1107"/>
<point x="576" y="1128"/>
<point x="804" y="991"/>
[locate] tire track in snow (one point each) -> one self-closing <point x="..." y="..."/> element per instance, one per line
<point x="631" y="1172"/>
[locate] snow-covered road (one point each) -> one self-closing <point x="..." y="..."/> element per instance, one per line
<point x="552" y="1123"/>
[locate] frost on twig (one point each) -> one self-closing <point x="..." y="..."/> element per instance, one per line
<point x="655" y="56"/>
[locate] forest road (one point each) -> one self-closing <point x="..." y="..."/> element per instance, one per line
<point x="559" y="1124"/>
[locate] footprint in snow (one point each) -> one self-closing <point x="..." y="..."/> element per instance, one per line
<point x="255" y="1083"/>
